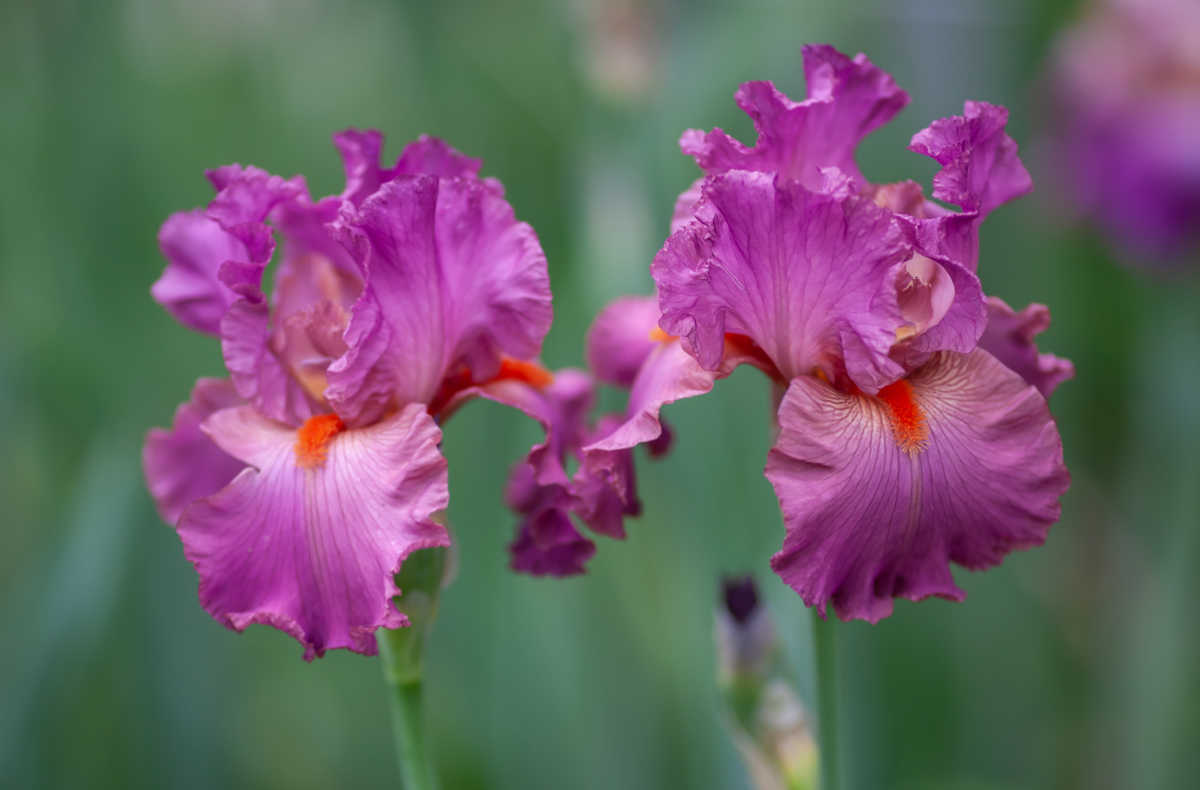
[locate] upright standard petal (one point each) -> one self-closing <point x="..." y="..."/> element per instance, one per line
<point x="1010" y="338"/>
<point x="980" y="171"/>
<point x="310" y="538"/>
<point x="848" y="98"/>
<point x="426" y="155"/>
<point x="959" y="462"/>
<point x="454" y="281"/>
<point x="808" y="277"/>
<point x="182" y="464"/>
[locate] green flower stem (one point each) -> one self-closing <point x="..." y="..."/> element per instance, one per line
<point x="402" y="653"/>
<point x="412" y="753"/>
<point x="825" y="653"/>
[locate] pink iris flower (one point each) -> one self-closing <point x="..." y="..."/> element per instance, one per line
<point x="300" y="484"/>
<point x="913" y="423"/>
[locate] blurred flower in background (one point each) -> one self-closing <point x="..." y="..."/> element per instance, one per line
<point x="1126" y="87"/>
<point x="768" y="722"/>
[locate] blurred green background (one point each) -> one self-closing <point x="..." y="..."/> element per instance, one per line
<point x="1071" y="666"/>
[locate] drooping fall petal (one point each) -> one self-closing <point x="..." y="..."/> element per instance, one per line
<point x="309" y="537"/>
<point x="959" y="462"/>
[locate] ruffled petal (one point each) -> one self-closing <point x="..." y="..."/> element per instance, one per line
<point x="360" y="152"/>
<point x="942" y="304"/>
<point x="539" y="490"/>
<point x="1010" y="338"/>
<point x="686" y="203"/>
<point x="848" y="98"/>
<point x="619" y="340"/>
<point x="246" y="199"/>
<point x="426" y="155"/>
<point x="805" y="275"/>
<point x="313" y="550"/>
<point x="980" y="171"/>
<point x="195" y="246"/>
<point x="433" y="157"/>
<point x="182" y="464"/>
<point x="960" y="462"/>
<point x="454" y="281"/>
<point x="669" y="374"/>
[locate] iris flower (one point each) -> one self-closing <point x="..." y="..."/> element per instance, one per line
<point x="299" y="484"/>
<point x="913" y="427"/>
<point x="1125" y="79"/>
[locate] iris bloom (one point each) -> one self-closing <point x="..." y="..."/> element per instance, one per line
<point x="1126" y="87"/>
<point x="602" y="491"/>
<point x="299" y="485"/>
<point x="913" y="424"/>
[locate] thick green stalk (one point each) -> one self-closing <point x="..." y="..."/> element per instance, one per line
<point x="412" y="753"/>
<point x="825" y="654"/>
<point x="402" y="652"/>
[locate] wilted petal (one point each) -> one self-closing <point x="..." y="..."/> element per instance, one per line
<point x="959" y="462"/>
<point x="619" y="340"/>
<point x="454" y="280"/>
<point x="312" y="548"/>
<point x="547" y="541"/>
<point x="182" y="464"/>
<point x="803" y="274"/>
<point x="1010" y="338"/>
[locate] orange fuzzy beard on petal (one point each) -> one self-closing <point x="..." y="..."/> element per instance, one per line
<point x="906" y="417"/>
<point x="312" y="440"/>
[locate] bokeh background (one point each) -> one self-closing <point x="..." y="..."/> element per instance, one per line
<point x="1071" y="666"/>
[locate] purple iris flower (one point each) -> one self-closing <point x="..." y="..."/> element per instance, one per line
<point x="602" y="491"/>
<point x="300" y="484"/>
<point x="913" y="424"/>
<point x="1126" y="88"/>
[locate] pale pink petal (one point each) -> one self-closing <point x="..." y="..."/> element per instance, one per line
<point x="313" y="549"/>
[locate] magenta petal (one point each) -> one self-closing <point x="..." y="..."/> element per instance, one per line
<point x="549" y="544"/>
<point x="246" y="196"/>
<point x="433" y="157"/>
<point x="426" y="155"/>
<point x="803" y="274"/>
<point x="619" y="341"/>
<point x="1010" y="338"/>
<point x="848" y="98"/>
<point x="195" y="246"/>
<point x="360" y="152"/>
<point x="980" y="166"/>
<point x="454" y="280"/>
<point x="258" y="374"/>
<point x="669" y="374"/>
<point x="980" y="171"/>
<point x="868" y="520"/>
<point x="313" y="551"/>
<point x="182" y="464"/>
<point x="547" y="541"/>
